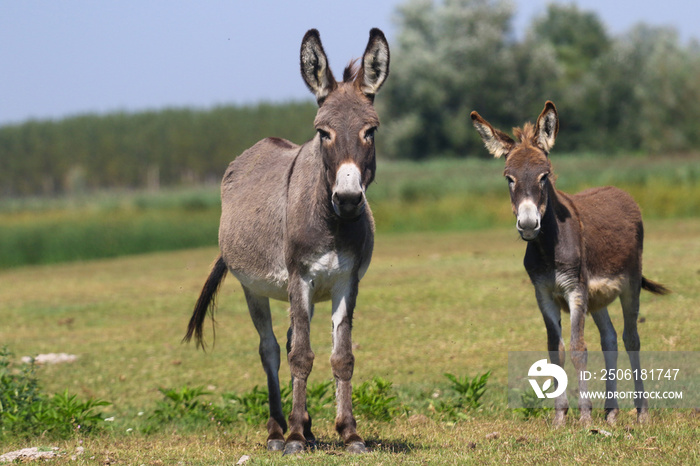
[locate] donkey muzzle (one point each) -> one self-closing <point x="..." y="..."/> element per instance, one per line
<point x="528" y="223"/>
<point x="348" y="196"/>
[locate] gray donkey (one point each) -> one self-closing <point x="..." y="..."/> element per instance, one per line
<point x="296" y="226"/>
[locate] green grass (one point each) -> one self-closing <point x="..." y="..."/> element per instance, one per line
<point x="439" y="195"/>
<point x="430" y="304"/>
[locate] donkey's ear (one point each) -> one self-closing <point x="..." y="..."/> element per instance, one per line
<point x="314" y="66"/>
<point x="375" y="64"/>
<point x="547" y="127"/>
<point x="497" y="142"/>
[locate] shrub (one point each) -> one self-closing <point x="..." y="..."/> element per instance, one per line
<point x="26" y="411"/>
<point x="468" y="395"/>
<point x="375" y="399"/>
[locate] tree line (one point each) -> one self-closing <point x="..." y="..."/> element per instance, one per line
<point x="639" y="91"/>
<point x="636" y="92"/>
<point x="142" y="150"/>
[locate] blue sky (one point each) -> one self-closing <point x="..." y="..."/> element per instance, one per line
<point x="69" y="57"/>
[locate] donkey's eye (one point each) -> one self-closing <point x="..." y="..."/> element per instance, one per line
<point x="369" y="134"/>
<point x="543" y="178"/>
<point x="511" y="180"/>
<point x="325" y="135"/>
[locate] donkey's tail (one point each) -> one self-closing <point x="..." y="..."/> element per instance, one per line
<point x="654" y="287"/>
<point x="206" y="302"/>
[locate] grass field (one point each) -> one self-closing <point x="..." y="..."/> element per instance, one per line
<point x="438" y="195"/>
<point x="430" y="303"/>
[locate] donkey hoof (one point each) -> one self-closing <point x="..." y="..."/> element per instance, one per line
<point x="559" y="420"/>
<point x="611" y="416"/>
<point x="643" y="417"/>
<point x="275" y="445"/>
<point x="292" y="447"/>
<point x="356" y="448"/>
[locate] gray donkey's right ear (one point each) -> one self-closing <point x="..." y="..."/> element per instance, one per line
<point x="314" y="66"/>
<point x="497" y="142"/>
<point x="375" y="64"/>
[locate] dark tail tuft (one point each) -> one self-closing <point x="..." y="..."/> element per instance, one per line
<point x="206" y="302"/>
<point x="656" y="288"/>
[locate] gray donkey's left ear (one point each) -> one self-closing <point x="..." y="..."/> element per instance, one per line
<point x="375" y="64"/>
<point x="314" y="66"/>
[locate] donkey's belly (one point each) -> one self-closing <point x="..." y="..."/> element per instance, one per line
<point x="327" y="272"/>
<point x="273" y="286"/>
<point x="603" y="291"/>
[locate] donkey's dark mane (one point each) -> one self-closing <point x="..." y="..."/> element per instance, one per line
<point x="351" y="71"/>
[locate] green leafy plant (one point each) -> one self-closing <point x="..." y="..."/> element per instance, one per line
<point x="375" y="399"/>
<point x="532" y="405"/>
<point x="252" y="406"/>
<point x="467" y="395"/>
<point x="64" y="414"/>
<point x="25" y="411"/>
<point x="181" y="404"/>
<point x="470" y="390"/>
<point x="319" y="397"/>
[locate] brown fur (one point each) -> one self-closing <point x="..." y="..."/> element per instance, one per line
<point x="584" y="251"/>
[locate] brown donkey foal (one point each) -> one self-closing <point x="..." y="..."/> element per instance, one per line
<point x="296" y="226"/>
<point x="583" y="251"/>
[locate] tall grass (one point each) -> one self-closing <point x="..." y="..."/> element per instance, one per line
<point x="439" y="195"/>
<point x="49" y="231"/>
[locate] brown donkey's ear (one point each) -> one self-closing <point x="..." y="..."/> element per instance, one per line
<point x="497" y="142"/>
<point x="314" y="66"/>
<point x="375" y="64"/>
<point x="547" y="127"/>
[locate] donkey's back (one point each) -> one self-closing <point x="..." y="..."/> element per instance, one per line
<point x="253" y="208"/>
<point x="612" y="237"/>
<point x="612" y="229"/>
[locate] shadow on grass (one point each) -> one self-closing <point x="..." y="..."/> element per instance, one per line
<point x="378" y="445"/>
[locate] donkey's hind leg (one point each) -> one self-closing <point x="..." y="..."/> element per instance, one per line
<point x="630" y="310"/>
<point x="259" y="308"/>
<point x="608" y="343"/>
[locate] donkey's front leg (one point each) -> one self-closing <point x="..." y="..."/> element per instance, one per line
<point x="301" y="360"/>
<point x="578" y="303"/>
<point x="343" y="364"/>
<point x="551" y="313"/>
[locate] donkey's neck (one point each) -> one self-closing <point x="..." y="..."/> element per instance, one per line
<point x="551" y="224"/>
<point x="309" y="192"/>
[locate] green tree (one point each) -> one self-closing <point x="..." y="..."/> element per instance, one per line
<point x="578" y="37"/>
<point x="450" y="58"/>
<point x="447" y="59"/>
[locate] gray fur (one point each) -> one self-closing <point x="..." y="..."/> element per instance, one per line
<point x="288" y="232"/>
